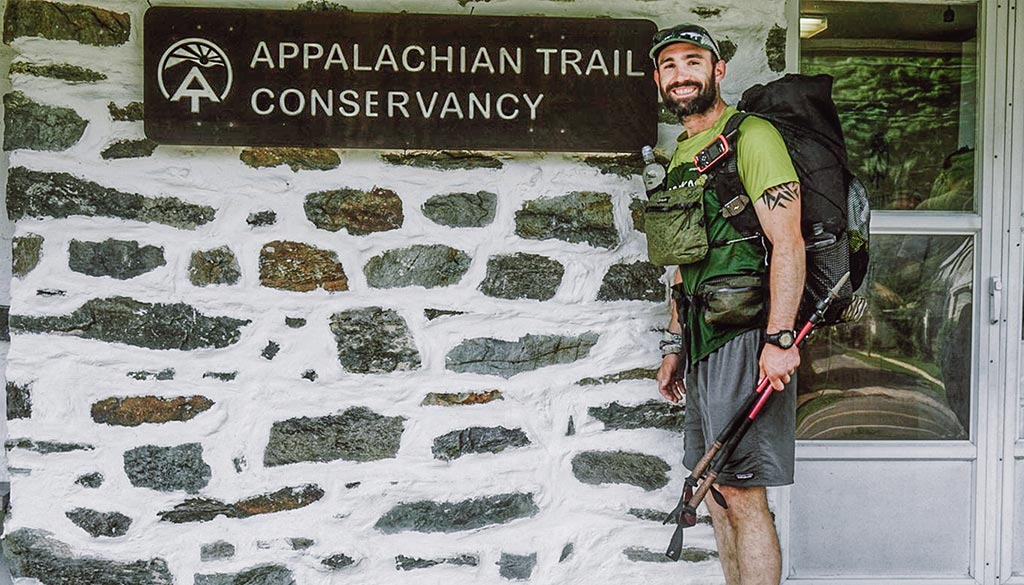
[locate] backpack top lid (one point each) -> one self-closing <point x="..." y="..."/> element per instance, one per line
<point x="800" y="104"/>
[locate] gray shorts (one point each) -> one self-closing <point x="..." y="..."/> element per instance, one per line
<point x="716" y="388"/>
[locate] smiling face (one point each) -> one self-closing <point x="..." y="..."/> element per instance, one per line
<point x="688" y="78"/>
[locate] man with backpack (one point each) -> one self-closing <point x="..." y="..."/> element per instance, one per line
<point x="736" y="296"/>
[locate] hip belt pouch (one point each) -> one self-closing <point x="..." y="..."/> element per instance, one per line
<point x="734" y="301"/>
<point x="674" y="224"/>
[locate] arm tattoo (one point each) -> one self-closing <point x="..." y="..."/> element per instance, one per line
<point x="779" y="195"/>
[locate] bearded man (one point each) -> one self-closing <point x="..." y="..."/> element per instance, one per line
<point x="723" y="354"/>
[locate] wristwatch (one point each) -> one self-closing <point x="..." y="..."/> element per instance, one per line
<point x="783" y="339"/>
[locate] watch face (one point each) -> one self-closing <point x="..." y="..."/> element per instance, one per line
<point x="786" y="339"/>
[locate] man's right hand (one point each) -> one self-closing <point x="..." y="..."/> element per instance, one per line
<point x="669" y="384"/>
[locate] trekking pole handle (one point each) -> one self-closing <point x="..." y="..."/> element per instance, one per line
<point x="819" y="314"/>
<point x="702" y="490"/>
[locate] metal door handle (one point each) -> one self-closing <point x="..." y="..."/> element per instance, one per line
<point x="995" y="299"/>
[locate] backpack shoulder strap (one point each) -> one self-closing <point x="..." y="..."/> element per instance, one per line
<point x="733" y="199"/>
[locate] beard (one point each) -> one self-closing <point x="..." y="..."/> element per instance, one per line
<point x="706" y="96"/>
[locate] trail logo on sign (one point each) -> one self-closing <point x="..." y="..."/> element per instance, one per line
<point x="196" y="69"/>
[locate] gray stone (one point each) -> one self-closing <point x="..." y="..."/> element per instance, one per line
<point x="62" y="71"/>
<point x="338" y="561"/>
<point x="460" y="398"/>
<point x="623" y="165"/>
<point x="567" y="552"/>
<point x="659" y="516"/>
<point x="120" y="259"/>
<point x="300" y="267"/>
<point x="5" y="323"/>
<point x="26" y="251"/>
<point x="206" y="509"/>
<point x="295" y="322"/>
<point x="639" y="554"/>
<point x="34" y="554"/>
<point x="359" y="212"/>
<point x="216" y="266"/>
<point x="443" y="160"/>
<point x="37" y="126"/>
<point x="301" y="543"/>
<point x="239" y="463"/>
<point x="164" y="374"/>
<point x="150" y="325"/>
<point x="432" y="314"/>
<point x="775" y="48"/>
<point x="131" y="112"/>
<point x="167" y="469"/>
<point x="297" y="159"/>
<point x="261" y="218"/>
<point x="522" y="276"/>
<point x="51" y="292"/>
<point x="322" y="6"/>
<point x="625" y="375"/>
<point x="65" y="22"/>
<point x="19" y="400"/>
<point x="462" y="209"/>
<point x="129" y="149"/>
<point x="40" y="194"/>
<point x="637" y="208"/>
<point x="90" y="480"/>
<point x="358" y="434"/>
<point x="222" y="376"/>
<point x="597" y="467"/>
<point x="704" y="12"/>
<point x="261" y="575"/>
<point x="507" y="358"/>
<point x="581" y="217"/>
<point x="570" y="429"/>
<point x="429" y="516"/>
<point x="310" y="375"/>
<point x="404" y="563"/>
<point x="100" y="523"/>
<point x="270" y="351"/>
<point x="477" y="440"/>
<point x="373" y="341"/>
<point x="654" y="414"/>
<point x="516" y="567"/>
<point x="728" y="49"/>
<point x="216" y="551"/>
<point x="419" y="265"/>
<point x="639" y="281"/>
<point x="47" y="447"/>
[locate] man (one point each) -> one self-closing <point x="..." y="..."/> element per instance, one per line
<point x="728" y="356"/>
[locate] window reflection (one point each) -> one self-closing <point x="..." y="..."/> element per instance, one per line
<point x="904" y="370"/>
<point x="905" y="87"/>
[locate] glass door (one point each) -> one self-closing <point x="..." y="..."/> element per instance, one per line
<point x="889" y="423"/>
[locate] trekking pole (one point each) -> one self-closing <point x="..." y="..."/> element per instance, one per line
<point x="685" y="512"/>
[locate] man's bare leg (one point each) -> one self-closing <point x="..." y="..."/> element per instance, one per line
<point x="725" y="536"/>
<point x="748" y="545"/>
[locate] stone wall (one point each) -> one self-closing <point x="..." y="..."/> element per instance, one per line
<point x="243" y="365"/>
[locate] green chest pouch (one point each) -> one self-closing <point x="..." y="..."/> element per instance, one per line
<point x="674" y="224"/>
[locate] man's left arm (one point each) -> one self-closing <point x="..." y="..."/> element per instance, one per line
<point x="778" y="210"/>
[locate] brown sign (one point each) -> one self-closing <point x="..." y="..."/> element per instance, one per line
<point x="343" y="79"/>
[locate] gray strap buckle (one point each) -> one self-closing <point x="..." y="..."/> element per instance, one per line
<point x="735" y="206"/>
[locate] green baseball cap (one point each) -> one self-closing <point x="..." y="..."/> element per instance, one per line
<point x="683" y="33"/>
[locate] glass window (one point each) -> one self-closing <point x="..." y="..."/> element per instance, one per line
<point x="904" y="370"/>
<point x="905" y="85"/>
<point x="906" y="90"/>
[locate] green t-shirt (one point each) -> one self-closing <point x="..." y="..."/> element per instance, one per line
<point x="763" y="163"/>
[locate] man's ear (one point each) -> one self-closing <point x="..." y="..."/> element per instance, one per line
<point x="719" y="70"/>
<point x="657" y="77"/>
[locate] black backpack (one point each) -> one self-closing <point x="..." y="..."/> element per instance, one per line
<point x="834" y="204"/>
